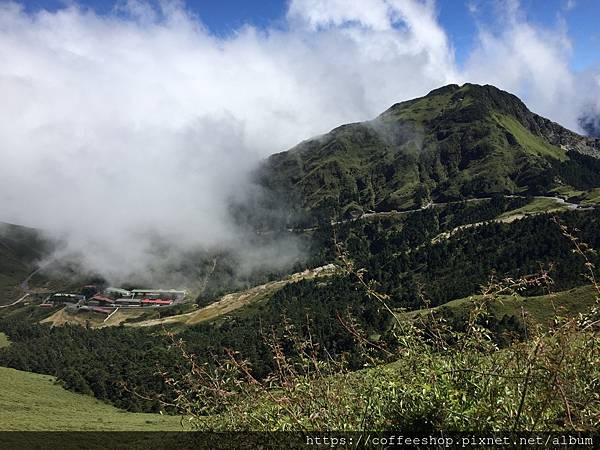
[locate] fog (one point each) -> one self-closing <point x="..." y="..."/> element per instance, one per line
<point x="123" y="133"/>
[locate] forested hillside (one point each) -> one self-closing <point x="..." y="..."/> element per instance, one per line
<point x="397" y="256"/>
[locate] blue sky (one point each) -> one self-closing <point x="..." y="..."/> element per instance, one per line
<point x="223" y="17"/>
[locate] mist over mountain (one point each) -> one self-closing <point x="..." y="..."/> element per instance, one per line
<point x="590" y="122"/>
<point x="456" y="143"/>
<point x="125" y="135"/>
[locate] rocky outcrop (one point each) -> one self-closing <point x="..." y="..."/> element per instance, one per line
<point x="566" y="139"/>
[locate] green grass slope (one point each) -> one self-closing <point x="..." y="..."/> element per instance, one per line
<point x="32" y="402"/>
<point x="535" y="206"/>
<point x="540" y="309"/>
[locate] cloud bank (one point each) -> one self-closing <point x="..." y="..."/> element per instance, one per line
<point x="120" y="130"/>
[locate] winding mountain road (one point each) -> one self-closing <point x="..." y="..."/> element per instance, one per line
<point x="25" y="283"/>
<point x="25" y="287"/>
<point x="558" y="200"/>
<point x="16" y="302"/>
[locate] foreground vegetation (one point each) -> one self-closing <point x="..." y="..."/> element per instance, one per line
<point x="550" y="383"/>
<point x="441" y="380"/>
<point x="121" y="365"/>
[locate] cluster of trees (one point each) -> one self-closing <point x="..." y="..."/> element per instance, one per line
<point x="404" y="231"/>
<point x="457" y="267"/>
<point x="118" y="365"/>
<point x="580" y="171"/>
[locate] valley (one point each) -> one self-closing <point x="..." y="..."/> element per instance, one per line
<point x="108" y="313"/>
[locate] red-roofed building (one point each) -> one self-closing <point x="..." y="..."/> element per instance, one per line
<point x="102" y="299"/>
<point x="156" y="301"/>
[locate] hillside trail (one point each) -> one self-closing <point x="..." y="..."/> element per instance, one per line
<point x="25" y="287"/>
<point x="25" y="283"/>
<point x="16" y="302"/>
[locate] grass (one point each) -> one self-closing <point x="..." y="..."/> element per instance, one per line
<point x="567" y="192"/>
<point x="4" y="341"/>
<point x="591" y="197"/>
<point x="536" y="206"/>
<point x="584" y="198"/>
<point x="424" y="109"/>
<point x="34" y="402"/>
<point x="529" y="142"/>
<point x="92" y="319"/>
<point x="541" y="309"/>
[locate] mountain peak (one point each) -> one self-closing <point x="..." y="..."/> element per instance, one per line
<point x="473" y="103"/>
<point x="449" y="88"/>
<point x="454" y="143"/>
<point x="474" y="98"/>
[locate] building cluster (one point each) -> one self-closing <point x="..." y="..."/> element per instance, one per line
<point x="93" y="298"/>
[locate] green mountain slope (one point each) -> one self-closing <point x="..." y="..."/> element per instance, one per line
<point x="540" y="309"/>
<point x="33" y="402"/>
<point x="20" y="249"/>
<point x="454" y="143"/>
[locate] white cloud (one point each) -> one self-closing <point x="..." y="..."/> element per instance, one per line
<point x="533" y="62"/>
<point x="530" y="62"/>
<point x="115" y="128"/>
<point x="569" y="5"/>
<point x="317" y="14"/>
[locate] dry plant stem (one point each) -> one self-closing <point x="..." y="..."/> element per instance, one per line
<point x="526" y="383"/>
